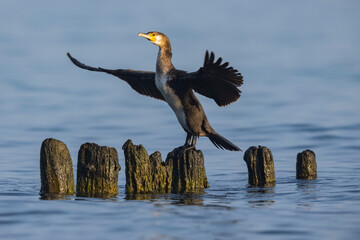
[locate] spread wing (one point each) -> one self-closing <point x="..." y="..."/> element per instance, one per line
<point x="141" y="81"/>
<point x="215" y="80"/>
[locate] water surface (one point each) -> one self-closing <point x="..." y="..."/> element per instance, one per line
<point x="301" y="90"/>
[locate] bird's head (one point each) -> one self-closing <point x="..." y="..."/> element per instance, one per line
<point x="157" y="38"/>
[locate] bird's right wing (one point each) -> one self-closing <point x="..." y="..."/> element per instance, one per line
<point x="142" y="82"/>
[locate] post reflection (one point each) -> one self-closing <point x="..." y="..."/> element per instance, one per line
<point x="308" y="192"/>
<point x="261" y="196"/>
<point x="189" y="198"/>
<point x="55" y="196"/>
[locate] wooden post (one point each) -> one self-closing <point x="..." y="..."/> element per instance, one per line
<point x="56" y="168"/>
<point x="306" y="167"/>
<point x="144" y="174"/>
<point x="188" y="170"/>
<point x="260" y="164"/>
<point x="97" y="171"/>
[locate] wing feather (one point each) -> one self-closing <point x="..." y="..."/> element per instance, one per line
<point x="215" y="80"/>
<point x="142" y="82"/>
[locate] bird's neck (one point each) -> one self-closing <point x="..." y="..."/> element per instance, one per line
<point x="163" y="63"/>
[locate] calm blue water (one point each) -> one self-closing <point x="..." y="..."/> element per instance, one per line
<point x="301" y="66"/>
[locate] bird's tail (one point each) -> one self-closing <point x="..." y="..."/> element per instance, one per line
<point x="221" y="142"/>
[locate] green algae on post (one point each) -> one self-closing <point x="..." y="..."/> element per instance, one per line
<point x="260" y="164"/>
<point x="56" y="169"/>
<point x="188" y="170"/>
<point x="148" y="174"/>
<point x="97" y="171"/>
<point x="145" y="174"/>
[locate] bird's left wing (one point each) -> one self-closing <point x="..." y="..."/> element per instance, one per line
<point x="142" y="82"/>
<point x="214" y="80"/>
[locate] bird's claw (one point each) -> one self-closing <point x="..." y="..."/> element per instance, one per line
<point x="184" y="148"/>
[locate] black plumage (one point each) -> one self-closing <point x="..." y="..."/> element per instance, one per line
<point x="141" y="81"/>
<point x="215" y="80"/>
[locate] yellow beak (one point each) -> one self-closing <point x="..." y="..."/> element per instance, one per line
<point x="147" y="36"/>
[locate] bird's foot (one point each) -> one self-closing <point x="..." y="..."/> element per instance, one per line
<point x="184" y="148"/>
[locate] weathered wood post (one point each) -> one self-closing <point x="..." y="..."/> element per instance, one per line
<point x="188" y="170"/>
<point x="56" y="169"/>
<point x="144" y="174"/>
<point x="97" y="171"/>
<point x="260" y="164"/>
<point x="306" y="167"/>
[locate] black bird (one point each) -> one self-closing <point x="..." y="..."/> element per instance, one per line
<point x="213" y="80"/>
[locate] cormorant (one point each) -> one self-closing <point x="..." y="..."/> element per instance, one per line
<point x="213" y="80"/>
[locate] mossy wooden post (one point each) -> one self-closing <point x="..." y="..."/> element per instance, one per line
<point x="97" y="171"/>
<point x="306" y="167"/>
<point x="148" y="174"/>
<point x="56" y="169"/>
<point x="144" y="174"/>
<point x="188" y="172"/>
<point x="260" y="164"/>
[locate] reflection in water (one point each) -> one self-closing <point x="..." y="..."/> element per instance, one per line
<point x="60" y="196"/>
<point x="307" y="189"/>
<point x="55" y="196"/>
<point x="261" y="196"/>
<point x="192" y="198"/>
